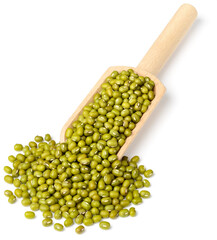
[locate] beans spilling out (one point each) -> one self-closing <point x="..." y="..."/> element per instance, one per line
<point x="82" y="181"/>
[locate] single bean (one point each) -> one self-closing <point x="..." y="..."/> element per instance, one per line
<point x="104" y="225"/>
<point x="58" y="227"/>
<point x="29" y="215"/>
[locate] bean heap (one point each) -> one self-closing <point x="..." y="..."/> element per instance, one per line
<point x="82" y="180"/>
<point x="104" y="125"/>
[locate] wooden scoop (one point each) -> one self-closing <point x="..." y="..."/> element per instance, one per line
<point x="150" y="66"/>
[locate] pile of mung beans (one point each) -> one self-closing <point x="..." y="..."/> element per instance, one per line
<point x="82" y="180"/>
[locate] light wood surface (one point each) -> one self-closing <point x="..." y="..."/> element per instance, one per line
<point x="150" y="65"/>
<point x="168" y="40"/>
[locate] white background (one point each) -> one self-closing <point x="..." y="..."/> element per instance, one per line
<point x="51" y="55"/>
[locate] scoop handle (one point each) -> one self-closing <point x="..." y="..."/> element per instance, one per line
<point x="168" y="40"/>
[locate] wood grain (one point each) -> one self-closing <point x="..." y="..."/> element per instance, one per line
<point x="150" y="65"/>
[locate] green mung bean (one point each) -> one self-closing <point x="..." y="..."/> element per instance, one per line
<point x="8" y="193"/>
<point x="80" y="229"/>
<point x="82" y="179"/>
<point x="104" y="225"/>
<point x="58" y="227"/>
<point x="47" y="222"/>
<point x="148" y="173"/>
<point x="29" y="215"/>
<point x="12" y="199"/>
